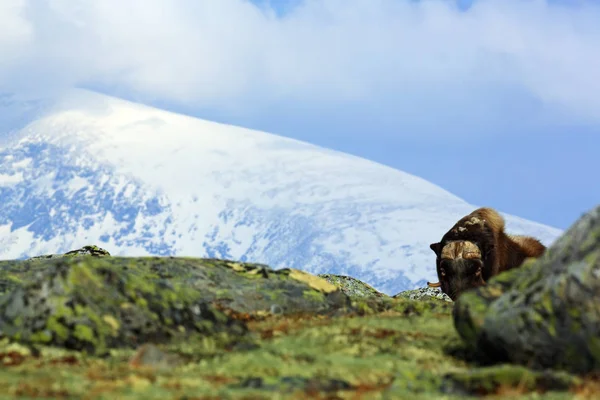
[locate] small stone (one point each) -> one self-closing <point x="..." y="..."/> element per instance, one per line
<point x="150" y="355"/>
<point x="276" y="309"/>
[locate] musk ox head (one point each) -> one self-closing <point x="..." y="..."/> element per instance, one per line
<point x="459" y="267"/>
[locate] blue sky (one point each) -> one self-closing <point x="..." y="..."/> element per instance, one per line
<point x="497" y="101"/>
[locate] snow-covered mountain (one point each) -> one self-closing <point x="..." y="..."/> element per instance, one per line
<point x="86" y="168"/>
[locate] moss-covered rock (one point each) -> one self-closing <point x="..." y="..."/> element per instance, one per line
<point x="94" y="305"/>
<point x="239" y="287"/>
<point x="545" y="314"/>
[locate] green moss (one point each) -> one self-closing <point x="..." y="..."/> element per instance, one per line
<point x="594" y="347"/>
<point x="84" y="333"/>
<point x="591" y="240"/>
<point x="489" y="380"/>
<point x="9" y="278"/>
<point x="61" y="331"/>
<point x="18" y="321"/>
<point x="313" y="295"/>
<point x="79" y="292"/>
<point x="592" y="259"/>
<point x="43" y="336"/>
<point x="469" y="316"/>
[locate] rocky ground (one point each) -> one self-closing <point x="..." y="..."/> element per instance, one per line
<point x="87" y="325"/>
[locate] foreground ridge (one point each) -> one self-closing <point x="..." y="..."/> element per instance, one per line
<point x="172" y="328"/>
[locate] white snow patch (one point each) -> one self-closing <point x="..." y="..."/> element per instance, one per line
<point x="11" y="179"/>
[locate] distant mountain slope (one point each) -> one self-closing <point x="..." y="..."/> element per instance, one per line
<point x="137" y="180"/>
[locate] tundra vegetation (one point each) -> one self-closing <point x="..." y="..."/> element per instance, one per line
<point x="88" y="325"/>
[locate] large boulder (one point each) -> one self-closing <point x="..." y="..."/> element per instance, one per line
<point x="545" y="314"/>
<point x="94" y="306"/>
<point x="97" y="303"/>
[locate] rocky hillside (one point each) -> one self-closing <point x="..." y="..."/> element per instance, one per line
<point x="86" y="324"/>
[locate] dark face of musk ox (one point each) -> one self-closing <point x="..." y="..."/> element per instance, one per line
<point x="459" y="267"/>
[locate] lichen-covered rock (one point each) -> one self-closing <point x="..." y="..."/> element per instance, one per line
<point x="358" y="290"/>
<point x="239" y="287"/>
<point x="545" y="314"/>
<point x="96" y="305"/>
<point x="90" y="250"/>
<point x="423" y="294"/>
<point x="352" y="287"/>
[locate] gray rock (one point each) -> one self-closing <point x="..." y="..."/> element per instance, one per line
<point x="423" y="294"/>
<point x="93" y="304"/>
<point x="352" y="287"/>
<point x="89" y="250"/>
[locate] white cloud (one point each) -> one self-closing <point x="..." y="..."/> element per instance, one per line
<point x="230" y="53"/>
<point x="15" y="33"/>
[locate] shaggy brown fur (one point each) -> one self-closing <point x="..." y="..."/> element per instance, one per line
<point x="485" y="250"/>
